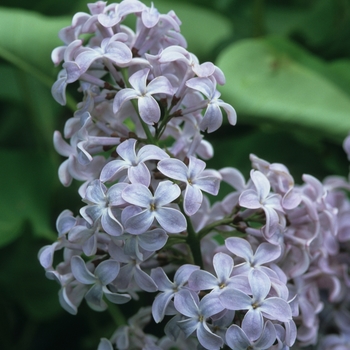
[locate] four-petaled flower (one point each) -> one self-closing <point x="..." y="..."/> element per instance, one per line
<point x="154" y="207"/>
<point x="196" y="179"/>
<point x="148" y="106"/>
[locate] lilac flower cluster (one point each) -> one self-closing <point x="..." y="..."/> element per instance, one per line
<point x="252" y="271"/>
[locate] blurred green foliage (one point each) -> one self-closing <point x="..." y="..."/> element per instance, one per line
<point x="287" y="65"/>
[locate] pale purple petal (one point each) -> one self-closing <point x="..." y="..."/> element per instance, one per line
<point x="160" y="304"/>
<point x="139" y="81"/>
<point x="110" y="224"/>
<point x="94" y="298"/>
<point x="107" y="271"/>
<point x="188" y="326"/>
<point x="144" y="281"/>
<point x="268" y="336"/>
<point x="126" y="150"/>
<point x="209" y="184"/>
<point x="140" y="222"/>
<point x="202" y="280"/>
<point x="111" y="169"/>
<point x="261" y="183"/>
<point x="210" y="305"/>
<point x="276" y="309"/>
<point x="266" y="252"/>
<point x="138" y="194"/>
<point x="139" y="174"/>
<point x="95" y="192"/>
<point x="208" y="339"/>
<point x="161" y="279"/>
<point x="165" y="193"/>
<point x="183" y="273"/>
<point x="153" y="240"/>
<point x="149" y="109"/>
<point x="186" y="304"/>
<point x="223" y="265"/>
<point x="173" y="168"/>
<point x="236" y="338"/>
<point x="249" y="199"/>
<point x="212" y="119"/>
<point x="234" y="299"/>
<point x="115" y="194"/>
<point x="123" y="96"/>
<point x="160" y="85"/>
<point x="253" y="323"/>
<point x="239" y="247"/>
<point x="230" y="112"/>
<point x="193" y="199"/>
<point x="171" y="220"/>
<point x="80" y="271"/>
<point x="116" y="298"/>
<point x="151" y="152"/>
<point x="118" y="53"/>
<point x="260" y="284"/>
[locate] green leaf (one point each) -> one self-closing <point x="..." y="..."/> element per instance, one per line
<point x="274" y="80"/>
<point x="27" y="181"/>
<point x="27" y="40"/>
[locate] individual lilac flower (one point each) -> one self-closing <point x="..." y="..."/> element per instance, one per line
<point x="196" y="179"/>
<point x="132" y="335"/>
<point x="131" y="270"/>
<point x="260" y="197"/>
<point x="237" y="339"/>
<point x="148" y="107"/>
<point x="112" y="49"/>
<point x="204" y="280"/>
<point x="132" y="162"/>
<point x="149" y="241"/>
<point x="100" y="202"/>
<point x="265" y="253"/>
<point x="167" y="288"/>
<point x="258" y="305"/>
<point x="155" y="207"/>
<point x="197" y="313"/>
<point x="212" y="118"/>
<point x="103" y="275"/>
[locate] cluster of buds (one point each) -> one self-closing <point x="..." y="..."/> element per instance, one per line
<point x="252" y="271"/>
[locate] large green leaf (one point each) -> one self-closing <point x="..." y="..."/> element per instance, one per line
<point x="27" y="39"/>
<point x="27" y="179"/>
<point x="275" y="80"/>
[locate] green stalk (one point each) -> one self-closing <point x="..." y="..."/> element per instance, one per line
<point x="194" y="242"/>
<point x="207" y="229"/>
<point x="116" y="314"/>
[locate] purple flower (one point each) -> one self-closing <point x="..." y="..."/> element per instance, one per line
<point x="155" y="207"/>
<point x="258" y="305"/>
<point x="196" y="179"/>
<point x="103" y="275"/>
<point x="148" y="107"/>
<point x="204" y="280"/>
<point x="197" y="313"/>
<point x="169" y="289"/>
<point x="134" y="163"/>
<point x="212" y="118"/>
<point x="260" y="197"/>
<point x="236" y="338"/>
<point x="100" y="200"/>
<point x="264" y="254"/>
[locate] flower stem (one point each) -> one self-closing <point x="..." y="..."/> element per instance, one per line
<point x="194" y="242"/>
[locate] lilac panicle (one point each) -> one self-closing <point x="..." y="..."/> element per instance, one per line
<point x="258" y="269"/>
